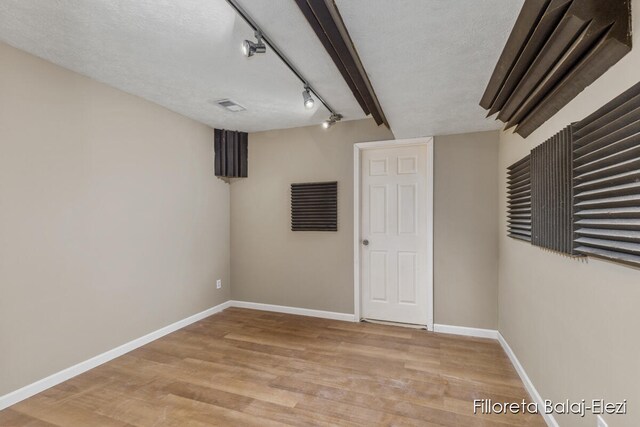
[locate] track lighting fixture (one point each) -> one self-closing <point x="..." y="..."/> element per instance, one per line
<point x="250" y="48"/>
<point x="308" y="99"/>
<point x="333" y="119"/>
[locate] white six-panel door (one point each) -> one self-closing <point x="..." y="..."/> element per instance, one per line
<point x="393" y="234"/>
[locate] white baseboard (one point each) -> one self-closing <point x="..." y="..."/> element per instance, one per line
<point x="466" y="331"/>
<point x="548" y="418"/>
<point x="66" y="374"/>
<point x="294" y="310"/>
<point x="491" y="333"/>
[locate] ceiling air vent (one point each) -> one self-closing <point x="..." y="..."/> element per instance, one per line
<point x="230" y="105"/>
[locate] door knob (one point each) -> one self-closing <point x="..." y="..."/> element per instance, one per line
<point x="365" y="242"/>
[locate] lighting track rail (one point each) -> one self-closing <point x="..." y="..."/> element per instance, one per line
<point x="324" y="18"/>
<point x="244" y="15"/>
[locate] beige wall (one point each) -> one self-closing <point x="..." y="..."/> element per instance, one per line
<point x="466" y="230"/>
<point x="112" y="223"/>
<point x="273" y="265"/>
<point x="574" y="324"/>
<point x="270" y="263"/>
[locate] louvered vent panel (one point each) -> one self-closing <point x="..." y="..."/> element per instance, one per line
<point x="519" y="200"/>
<point x="231" y="150"/>
<point x="314" y="206"/>
<point x="555" y="50"/>
<point x="607" y="180"/>
<point x="551" y="193"/>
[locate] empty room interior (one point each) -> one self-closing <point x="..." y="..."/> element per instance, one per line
<point x="319" y="213"/>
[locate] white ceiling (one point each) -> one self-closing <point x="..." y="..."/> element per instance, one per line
<point x="428" y="60"/>
<point x="184" y="54"/>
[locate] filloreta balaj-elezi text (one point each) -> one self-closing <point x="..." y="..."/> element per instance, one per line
<point x="581" y="407"/>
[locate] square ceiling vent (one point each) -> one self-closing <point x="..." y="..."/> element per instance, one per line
<point x="229" y="105"/>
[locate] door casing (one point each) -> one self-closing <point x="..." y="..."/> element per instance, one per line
<point x="357" y="247"/>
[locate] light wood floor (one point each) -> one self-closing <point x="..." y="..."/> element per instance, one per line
<point x="253" y="368"/>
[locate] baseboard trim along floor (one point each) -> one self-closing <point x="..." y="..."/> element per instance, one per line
<point x="466" y="331"/>
<point x="27" y="391"/>
<point x="59" y="377"/>
<point x="528" y="384"/>
<point x="294" y="310"/>
<point x="494" y="334"/>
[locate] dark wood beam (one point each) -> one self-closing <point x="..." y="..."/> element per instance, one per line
<point x="324" y="18"/>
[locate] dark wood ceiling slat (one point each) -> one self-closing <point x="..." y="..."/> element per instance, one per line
<point x="326" y="42"/>
<point x="334" y="36"/>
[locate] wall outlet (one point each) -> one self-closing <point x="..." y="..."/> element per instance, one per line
<point x="602" y="422"/>
<point x="218" y="284"/>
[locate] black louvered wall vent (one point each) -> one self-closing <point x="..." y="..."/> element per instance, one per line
<point x="551" y="198"/>
<point x="555" y="50"/>
<point x="607" y="180"/>
<point x="314" y="206"/>
<point x="231" y="150"/>
<point x="519" y="200"/>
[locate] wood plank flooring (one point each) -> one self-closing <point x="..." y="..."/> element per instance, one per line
<point x="253" y="368"/>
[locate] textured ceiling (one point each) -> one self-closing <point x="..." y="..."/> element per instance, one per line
<point x="430" y="60"/>
<point x="185" y="54"/>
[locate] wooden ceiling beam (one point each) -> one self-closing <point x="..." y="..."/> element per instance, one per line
<point x="325" y="20"/>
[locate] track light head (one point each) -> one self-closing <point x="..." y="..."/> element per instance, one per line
<point x="333" y="119"/>
<point x="250" y="48"/>
<point x="308" y="99"/>
<point x="246" y="48"/>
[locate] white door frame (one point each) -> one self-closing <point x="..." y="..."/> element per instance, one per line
<point x="357" y="148"/>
